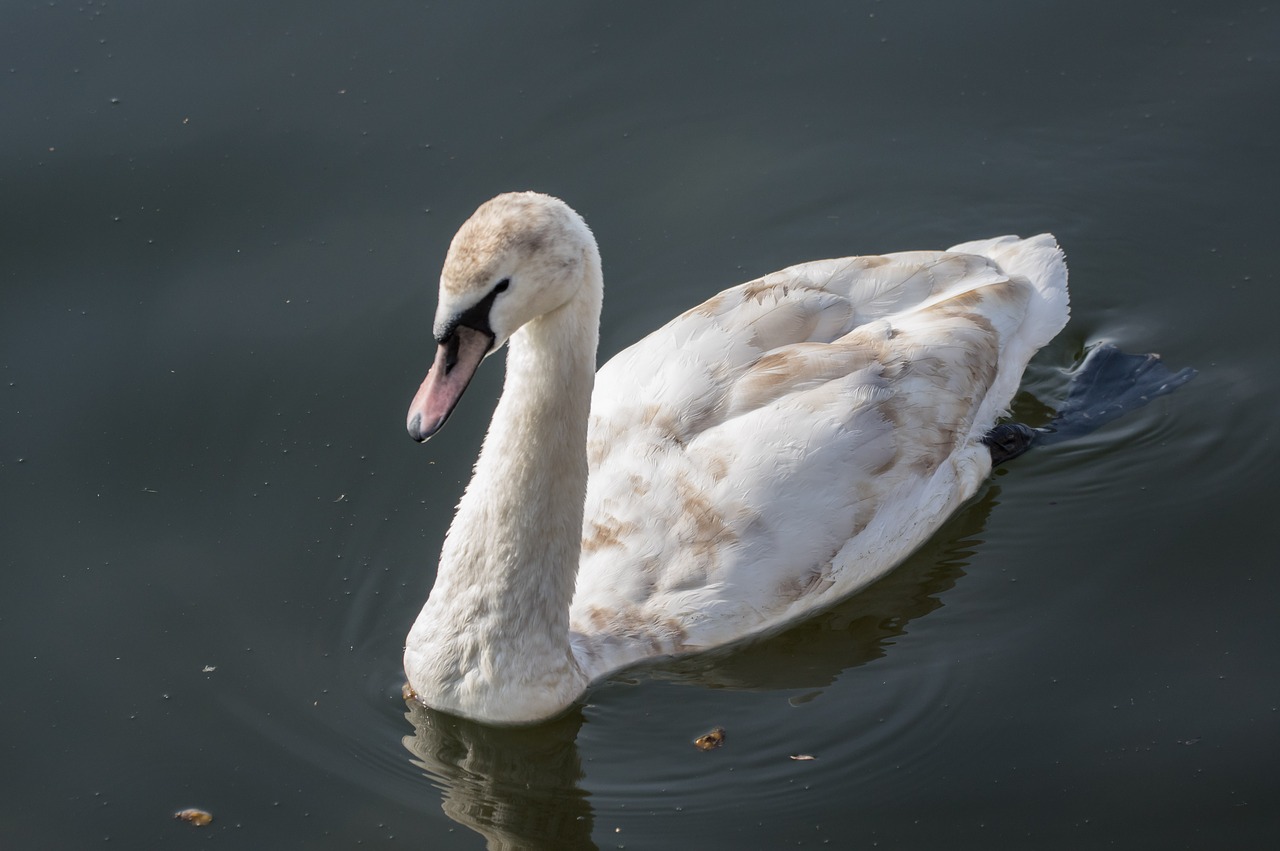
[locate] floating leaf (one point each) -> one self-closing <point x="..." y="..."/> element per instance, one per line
<point x="710" y="741"/>
<point x="193" y="816"/>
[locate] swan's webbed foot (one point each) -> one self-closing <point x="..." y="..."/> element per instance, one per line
<point x="1107" y="384"/>
<point x="1008" y="440"/>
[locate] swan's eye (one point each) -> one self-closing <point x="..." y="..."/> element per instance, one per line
<point x="502" y="286"/>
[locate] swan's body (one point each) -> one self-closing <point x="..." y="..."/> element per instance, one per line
<point x="761" y="456"/>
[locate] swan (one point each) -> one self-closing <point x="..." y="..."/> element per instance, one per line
<point x="763" y="455"/>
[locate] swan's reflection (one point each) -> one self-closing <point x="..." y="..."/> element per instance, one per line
<point x="518" y="787"/>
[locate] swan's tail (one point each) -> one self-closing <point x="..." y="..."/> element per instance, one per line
<point x="1039" y="261"/>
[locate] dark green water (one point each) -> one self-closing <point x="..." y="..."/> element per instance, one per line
<point x="220" y="230"/>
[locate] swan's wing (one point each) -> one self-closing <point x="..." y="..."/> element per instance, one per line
<point x="793" y="438"/>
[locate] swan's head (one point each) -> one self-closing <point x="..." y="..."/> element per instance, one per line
<point x="520" y="256"/>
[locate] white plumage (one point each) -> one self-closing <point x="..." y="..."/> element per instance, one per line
<point x="764" y="454"/>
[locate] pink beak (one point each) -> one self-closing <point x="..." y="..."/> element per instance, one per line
<point x="456" y="361"/>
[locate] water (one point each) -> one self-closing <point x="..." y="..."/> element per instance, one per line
<point x="222" y="225"/>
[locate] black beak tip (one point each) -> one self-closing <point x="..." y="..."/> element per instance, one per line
<point x="415" y="428"/>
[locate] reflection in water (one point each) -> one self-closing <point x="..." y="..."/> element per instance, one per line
<point x="518" y="787"/>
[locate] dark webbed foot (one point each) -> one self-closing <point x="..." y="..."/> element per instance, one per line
<point x="1107" y="384"/>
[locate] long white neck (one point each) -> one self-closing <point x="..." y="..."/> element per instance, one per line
<point x="492" y="641"/>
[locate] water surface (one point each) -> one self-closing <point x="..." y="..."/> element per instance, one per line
<point x="222" y="225"/>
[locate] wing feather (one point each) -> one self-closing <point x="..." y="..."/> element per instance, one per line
<point x="794" y="437"/>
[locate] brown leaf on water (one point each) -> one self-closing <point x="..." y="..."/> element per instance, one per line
<point x="193" y="816"/>
<point x="710" y="741"/>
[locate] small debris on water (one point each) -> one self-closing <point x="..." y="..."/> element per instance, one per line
<point x="193" y="816"/>
<point x="710" y="741"/>
<point x="802" y="756"/>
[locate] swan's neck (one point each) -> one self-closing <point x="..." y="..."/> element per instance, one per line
<point x="492" y="641"/>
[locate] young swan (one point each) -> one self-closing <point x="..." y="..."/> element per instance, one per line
<point x="761" y="456"/>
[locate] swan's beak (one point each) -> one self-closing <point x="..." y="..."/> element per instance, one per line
<point x="456" y="361"/>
